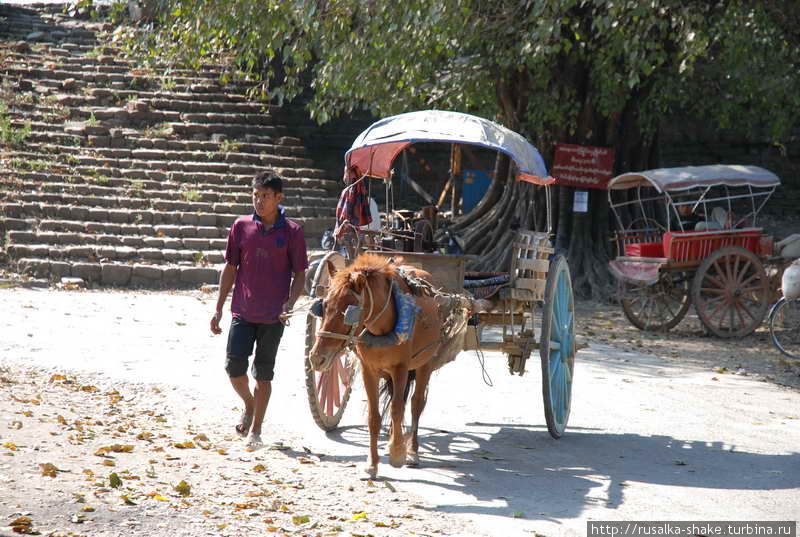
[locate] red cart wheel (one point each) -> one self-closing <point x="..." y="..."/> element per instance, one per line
<point x="731" y="292"/>
<point x="328" y="391"/>
<point x="657" y="307"/>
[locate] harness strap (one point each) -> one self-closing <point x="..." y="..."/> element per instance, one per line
<point x="350" y="337"/>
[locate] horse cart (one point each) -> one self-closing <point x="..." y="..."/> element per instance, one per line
<point x="689" y="236"/>
<point x="537" y="287"/>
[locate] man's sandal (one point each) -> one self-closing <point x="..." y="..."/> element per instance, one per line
<point x="243" y="427"/>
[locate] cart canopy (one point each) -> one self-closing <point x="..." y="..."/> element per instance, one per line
<point x="375" y="149"/>
<point x="677" y="179"/>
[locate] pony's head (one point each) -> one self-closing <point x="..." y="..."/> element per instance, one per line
<point x="350" y="304"/>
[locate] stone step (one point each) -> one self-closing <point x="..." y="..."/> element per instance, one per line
<point x="184" y="96"/>
<point x="230" y="129"/>
<point x="160" y="203"/>
<point x="34" y="212"/>
<point x="222" y="163"/>
<point x="107" y="252"/>
<point x="67" y="164"/>
<point x="61" y="58"/>
<point x="172" y="192"/>
<point x="121" y="274"/>
<point x="30" y="180"/>
<point x="128" y="209"/>
<point x="56" y="79"/>
<point x="139" y="235"/>
<point x="173" y="104"/>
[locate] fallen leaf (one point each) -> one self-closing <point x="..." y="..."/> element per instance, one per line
<point x="183" y="488"/>
<point x="49" y="469"/>
<point x="360" y="516"/>
<point x="114" y="481"/>
<point x="300" y="519"/>
<point x="115" y="448"/>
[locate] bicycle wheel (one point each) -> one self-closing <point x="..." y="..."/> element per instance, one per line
<point x="784" y="326"/>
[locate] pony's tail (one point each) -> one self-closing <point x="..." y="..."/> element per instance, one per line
<point x="387" y="390"/>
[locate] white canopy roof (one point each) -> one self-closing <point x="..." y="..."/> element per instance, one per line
<point x="672" y="179"/>
<point x="454" y="127"/>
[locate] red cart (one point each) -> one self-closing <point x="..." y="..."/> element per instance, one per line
<point x="689" y="236"/>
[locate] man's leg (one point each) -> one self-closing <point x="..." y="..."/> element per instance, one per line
<point x="269" y="337"/>
<point x="241" y="338"/>
<point x="261" y="397"/>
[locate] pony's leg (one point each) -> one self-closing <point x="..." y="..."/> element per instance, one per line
<point x="374" y="418"/>
<point x="397" y="446"/>
<point x="418" y="401"/>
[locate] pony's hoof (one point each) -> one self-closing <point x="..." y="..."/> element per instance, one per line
<point x="371" y="470"/>
<point x="397" y="462"/>
<point x="412" y="459"/>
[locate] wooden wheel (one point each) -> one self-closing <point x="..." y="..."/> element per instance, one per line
<point x="423" y="236"/>
<point x="328" y="391"/>
<point x="660" y="306"/>
<point x="557" y="346"/>
<point x="731" y="292"/>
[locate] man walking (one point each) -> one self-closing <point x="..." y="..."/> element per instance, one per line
<point x="266" y="260"/>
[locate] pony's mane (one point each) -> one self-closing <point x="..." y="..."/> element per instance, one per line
<point x="367" y="264"/>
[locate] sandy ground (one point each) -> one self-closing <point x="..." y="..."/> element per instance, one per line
<point x="94" y="443"/>
<point x="689" y="344"/>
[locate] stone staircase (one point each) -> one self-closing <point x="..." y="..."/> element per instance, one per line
<point x="129" y="176"/>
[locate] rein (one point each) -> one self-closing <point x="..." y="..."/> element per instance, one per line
<point x="350" y="337"/>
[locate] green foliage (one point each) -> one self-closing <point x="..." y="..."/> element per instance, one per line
<point x="9" y="134"/>
<point x="168" y="84"/>
<point x="118" y="12"/>
<point x="34" y="165"/>
<point x="229" y="146"/>
<point x="92" y="121"/>
<point x="191" y="195"/>
<point x="557" y="70"/>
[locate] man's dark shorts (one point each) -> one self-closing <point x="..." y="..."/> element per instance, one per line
<point x="241" y="337"/>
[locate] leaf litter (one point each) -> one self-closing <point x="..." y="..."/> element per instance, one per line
<point x="129" y="446"/>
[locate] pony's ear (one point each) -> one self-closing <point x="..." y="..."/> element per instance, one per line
<point x="358" y="281"/>
<point x="331" y="268"/>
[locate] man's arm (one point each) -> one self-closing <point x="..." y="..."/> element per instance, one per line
<point x="226" y="280"/>
<point x="296" y="289"/>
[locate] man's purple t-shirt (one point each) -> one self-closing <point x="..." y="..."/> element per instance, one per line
<point x="265" y="259"/>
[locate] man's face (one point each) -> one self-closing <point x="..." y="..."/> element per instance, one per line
<point x="265" y="200"/>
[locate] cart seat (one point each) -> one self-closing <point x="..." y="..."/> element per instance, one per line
<point x="644" y="249"/>
<point x="485" y="284"/>
<point x="697" y="245"/>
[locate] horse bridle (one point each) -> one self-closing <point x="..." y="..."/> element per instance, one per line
<point x="350" y="338"/>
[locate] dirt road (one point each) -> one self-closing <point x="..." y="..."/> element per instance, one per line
<point x="132" y="385"/>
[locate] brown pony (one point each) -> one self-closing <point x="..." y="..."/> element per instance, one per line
<point x="437" y="337"/>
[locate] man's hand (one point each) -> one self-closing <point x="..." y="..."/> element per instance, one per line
<point x="286" y="313"/>
<point x="215" y="329"/>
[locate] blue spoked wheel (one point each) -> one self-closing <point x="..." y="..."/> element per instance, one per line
<point x="557" y="346"/>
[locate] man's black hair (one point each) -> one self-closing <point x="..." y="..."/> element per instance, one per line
<point x="269" y="179"/>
